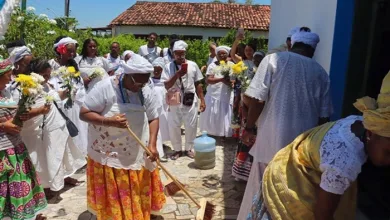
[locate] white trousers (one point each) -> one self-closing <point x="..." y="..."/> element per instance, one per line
<point x="187" y="115"/>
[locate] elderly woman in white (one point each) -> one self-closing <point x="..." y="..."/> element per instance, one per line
<point x="216" y="118"/>
<point x="122" y="182"/>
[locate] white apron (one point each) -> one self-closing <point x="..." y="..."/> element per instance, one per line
<point x="114" y="147"/>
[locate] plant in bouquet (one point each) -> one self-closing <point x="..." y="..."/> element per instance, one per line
<point x="69" y="77"/>
<point x="30" y="88"/>
<point x="240" y="73"/>
<point x="48" y="101"/>
<point x="224" y="69"/>
<point x="97" y="73"/>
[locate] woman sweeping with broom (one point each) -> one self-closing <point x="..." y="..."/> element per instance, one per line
<point x="122" y="182"/>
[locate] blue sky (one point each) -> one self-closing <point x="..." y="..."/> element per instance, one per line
<point x="97" y="13"/>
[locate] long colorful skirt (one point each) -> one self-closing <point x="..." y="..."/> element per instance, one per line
<point x="120" y="194"/>
<point x="243" y="160"/>
<point x="21" y="195"/>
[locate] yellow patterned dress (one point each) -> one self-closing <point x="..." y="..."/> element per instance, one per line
<point x="327" y="157"/>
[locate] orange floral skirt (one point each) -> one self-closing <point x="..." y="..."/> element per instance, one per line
<point x="120" y="194"/>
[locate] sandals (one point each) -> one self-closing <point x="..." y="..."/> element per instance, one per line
<point x="189" y="154"/>
<point x="176" y="155"/>
<point x="72" y="182"/>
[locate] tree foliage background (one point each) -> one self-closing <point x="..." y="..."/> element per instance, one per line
<point x="40" y="32"/>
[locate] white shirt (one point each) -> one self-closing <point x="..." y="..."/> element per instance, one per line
<point x="211" y="60"/>
<point x="89" y="62"/>
<point x="296" y="91"/>
<point x="113" y="63"/>
<point x="193" y="75"/>
<point x="145" y="50"/>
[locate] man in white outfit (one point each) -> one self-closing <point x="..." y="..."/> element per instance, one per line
<point x="183" y="76"/>
<point x="113" y="58"/>
<point x="289" y="94"/>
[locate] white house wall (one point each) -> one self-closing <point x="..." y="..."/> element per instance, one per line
<point x="318" y="15"/>
<point x="184" y="31"/>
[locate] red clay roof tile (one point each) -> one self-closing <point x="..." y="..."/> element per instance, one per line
<point x="213" y="15"/>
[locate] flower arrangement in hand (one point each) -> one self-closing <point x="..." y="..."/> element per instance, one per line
<point x="97" y="73"/>
<point x="240" y="73"/>
<point x="70" y="76"/>
<point x="224" y="69"/>
<point x="30" y="88"/>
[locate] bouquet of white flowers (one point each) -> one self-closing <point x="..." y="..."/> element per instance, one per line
<point x="69" y="75"/>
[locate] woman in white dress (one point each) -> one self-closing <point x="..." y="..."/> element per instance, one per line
<point x="89" y="63"/>
<point x="216" y="118"/>
<point x="66" y="47"/>
<point x="160" y="93"/>
<point x="47" y="139"/>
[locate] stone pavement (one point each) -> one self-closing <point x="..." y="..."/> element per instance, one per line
<point x="217" y="185"/>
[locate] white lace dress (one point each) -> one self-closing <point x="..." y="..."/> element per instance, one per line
<point x="296" y="94"/>
<point x="342" y="156"/>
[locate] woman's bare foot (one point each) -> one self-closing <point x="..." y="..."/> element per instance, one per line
<point x="73" y="182"/>
<point x="40" y="217"/>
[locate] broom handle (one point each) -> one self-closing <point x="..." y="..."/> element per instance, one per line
<point x="162" y="167"/>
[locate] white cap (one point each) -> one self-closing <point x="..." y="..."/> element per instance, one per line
<point x="180" y="45"/>
<point x="308" y="38"/>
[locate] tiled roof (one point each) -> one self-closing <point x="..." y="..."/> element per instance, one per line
<point x="214" y="15"/>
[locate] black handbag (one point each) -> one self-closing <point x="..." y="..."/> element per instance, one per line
<point x="73" y="131"/>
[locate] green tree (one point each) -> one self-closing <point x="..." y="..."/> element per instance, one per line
<point x="248" y="2"/>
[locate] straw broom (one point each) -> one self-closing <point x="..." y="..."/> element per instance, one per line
<point x="206" y="209"/>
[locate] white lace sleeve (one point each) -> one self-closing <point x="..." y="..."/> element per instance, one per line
<point x="342" y="156"/>
<point x="261" y="82"/>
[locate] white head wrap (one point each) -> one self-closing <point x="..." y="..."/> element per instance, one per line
<point x="221" y="48"/>
<point x="260" y="52"/>
<point x="293" y="31"/>
<point x="127" y="52"/>
<point x="180" y="45"/>
<point x="137" y="64"/>
<point x="65" y="41"/>
<point x="308" y="38"/>
<point x="159" y="62"/>
<point x="18" y="53"/>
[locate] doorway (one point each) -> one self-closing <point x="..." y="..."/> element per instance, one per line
<point x="368" y="64"/>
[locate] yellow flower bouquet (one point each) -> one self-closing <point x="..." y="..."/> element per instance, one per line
<point x="240" y="73"/>
<point x="69" y="76"/>
<point x="30" y="88"/>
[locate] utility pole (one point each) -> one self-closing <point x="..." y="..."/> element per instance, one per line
<point x="24" y="6"/>
<point x="67" y="3"/>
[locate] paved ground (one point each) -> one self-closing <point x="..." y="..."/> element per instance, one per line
<point x="216" y="184"/>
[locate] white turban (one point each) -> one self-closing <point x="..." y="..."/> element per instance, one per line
<point x="223" y="48"/>
<point x="308" y="38"/>
<point x="180" y="45"/>
<point x="137" y="64"/>
<point x="293" y="31"/>
<point x="127" y="52"/>
<point x="65" y="41"/>
<point x="159" y="62"/>
<point x="18" y="53"/>
<point x="261" y="53"/>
